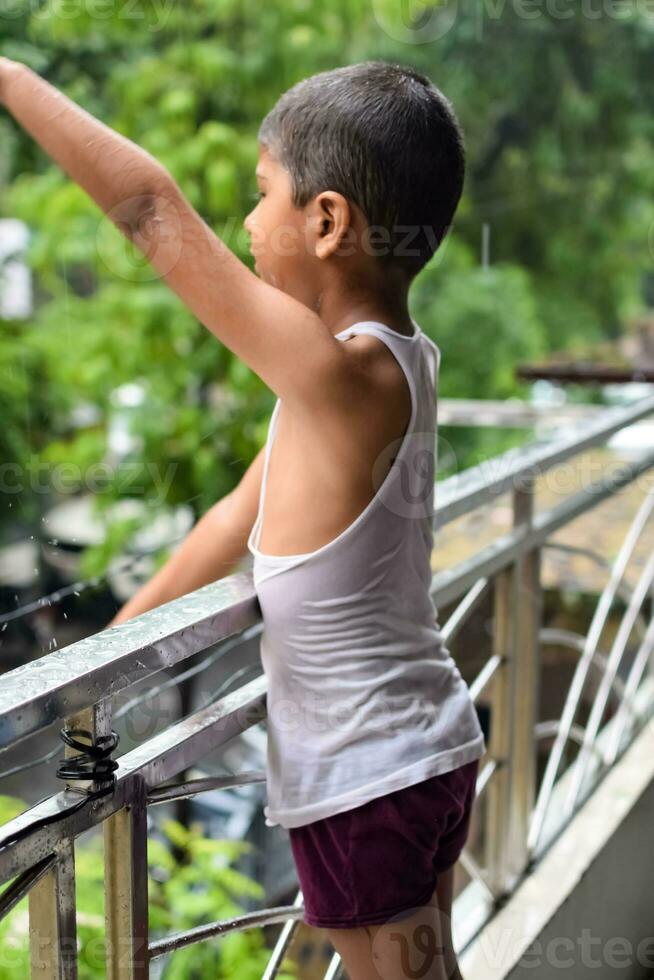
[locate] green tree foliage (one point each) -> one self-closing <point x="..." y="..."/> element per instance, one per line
<point x="556" y="104"/>
<point x="486" y="320"/>
<point x="24" y="421"/>
<point x="557" y="117"/>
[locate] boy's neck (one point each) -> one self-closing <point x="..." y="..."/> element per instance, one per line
<point x="400" y="323"/>
<point x="340" y="308"/>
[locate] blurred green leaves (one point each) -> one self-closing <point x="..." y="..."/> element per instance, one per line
<point x="558" y="122"/>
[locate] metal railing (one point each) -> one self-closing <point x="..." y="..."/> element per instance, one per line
<point x="76" y="684"/>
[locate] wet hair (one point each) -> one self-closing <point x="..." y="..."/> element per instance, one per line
<point x="385" y="137"/>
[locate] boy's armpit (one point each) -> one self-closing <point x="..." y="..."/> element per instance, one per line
<point x="279" y="338"/>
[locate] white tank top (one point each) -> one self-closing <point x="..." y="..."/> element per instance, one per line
<point x="363" y="696"/>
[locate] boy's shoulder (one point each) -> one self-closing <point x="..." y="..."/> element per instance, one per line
<point x="376" y="381"/>
<point x="374" y="358"/>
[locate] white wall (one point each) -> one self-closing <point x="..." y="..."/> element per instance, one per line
<point x="15" y="277"/>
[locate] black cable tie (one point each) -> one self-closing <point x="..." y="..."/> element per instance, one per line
<point x="94" y="761"/>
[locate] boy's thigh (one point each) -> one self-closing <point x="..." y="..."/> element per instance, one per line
<point x="417" y="946"/>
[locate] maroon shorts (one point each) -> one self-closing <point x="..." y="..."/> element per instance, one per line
<point x="365" y="865"/>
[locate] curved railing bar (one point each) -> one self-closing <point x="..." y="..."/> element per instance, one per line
<point x="182" y="791"/>
<point x="286" y="934"/>
<point x="615" y="659"/>
<point x="208" y="930"/>
<point x="465" y="857"/>
<point x="485" y="675"/>
<point x="468" y="604"/>
<point x="624" y="590"/>
<point x="579" y="678"/>
<point x="476" y="874"/>
<point x="485" y="775"/>
<point x="335" y="968"/>
<point x="633" y="680"/>
<point x="21" y="885"/>
<point x="575" y="641"/>
<point x="553" y="726"/>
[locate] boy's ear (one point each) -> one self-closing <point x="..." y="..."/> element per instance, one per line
<point x="331" y="220"/>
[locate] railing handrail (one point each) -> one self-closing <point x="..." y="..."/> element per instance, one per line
<point x="67" y="680"/>
<point x="154" y="761"/>
<point x="450" y="584"/>
<point x="478" y="485"/>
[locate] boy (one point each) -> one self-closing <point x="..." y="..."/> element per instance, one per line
<point x="360" y="173"/>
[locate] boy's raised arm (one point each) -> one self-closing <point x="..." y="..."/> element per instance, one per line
<point x="110" y="168"/>
<point x="279" y="338"/>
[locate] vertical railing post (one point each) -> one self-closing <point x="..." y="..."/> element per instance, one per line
<point x="514" y="706"/>
<point x="525" y="683"/>
<point x="126" y="888"/>
<point x="52" y="905"/>
<point x="499" y="739"/>
<point x="52" y="919"/>
<point x="97" y="721"/>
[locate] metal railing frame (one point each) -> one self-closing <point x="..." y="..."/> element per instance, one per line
<point x="77" y="684"/>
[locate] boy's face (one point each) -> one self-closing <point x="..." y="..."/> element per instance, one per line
<point x="278" y="233"/>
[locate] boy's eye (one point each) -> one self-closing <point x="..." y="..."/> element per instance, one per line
<point x="258" y="195"/>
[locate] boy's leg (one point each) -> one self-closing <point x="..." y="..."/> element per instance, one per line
<point x="418" y="947"/>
